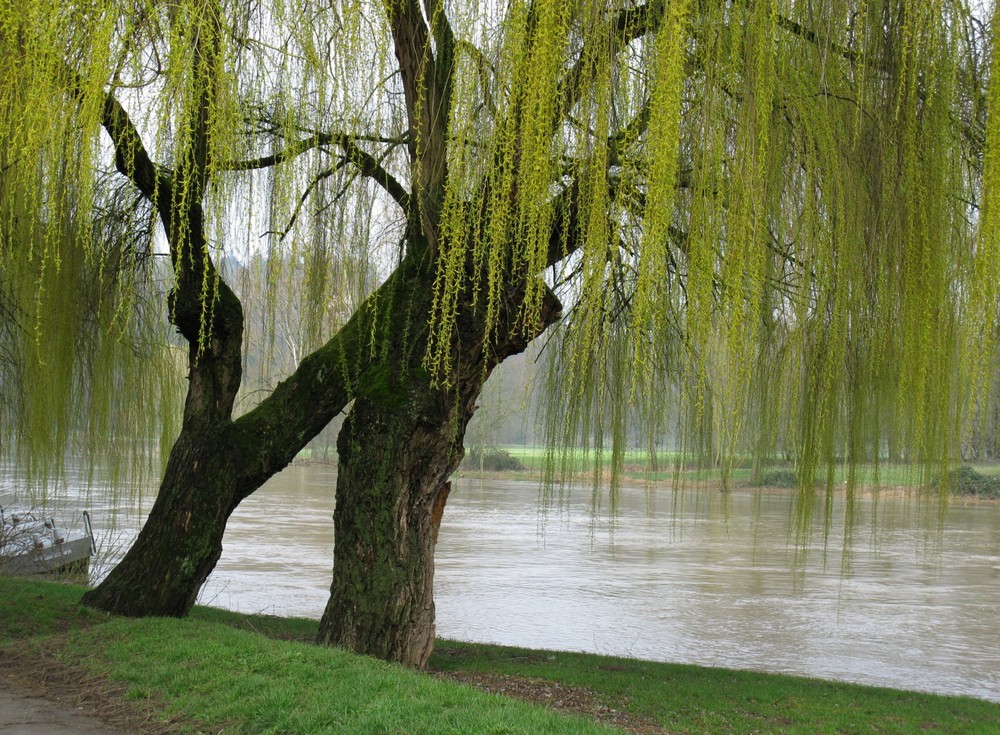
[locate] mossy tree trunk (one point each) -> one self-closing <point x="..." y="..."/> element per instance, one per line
<point x="217" y="462"/>
<point x="181" y="540"/>
<point x="392" y="484"/>
<point x="397" y="449"/>
<point x="388" y="511"/>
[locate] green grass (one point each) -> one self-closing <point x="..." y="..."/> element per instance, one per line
<point x="249" y="683"/>
<point x="580" y="465"/>
<point x="693" y="699"/>
<point x="225" y="672"/>
<point x="217" y="670"/>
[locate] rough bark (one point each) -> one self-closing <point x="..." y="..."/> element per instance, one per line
<point x="181" y="540"/>
<point x="393" y="473"/>
<point x="397" y="449"/>
<point x="217" y="462"/>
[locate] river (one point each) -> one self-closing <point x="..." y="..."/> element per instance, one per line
<point x="689" y="578"/>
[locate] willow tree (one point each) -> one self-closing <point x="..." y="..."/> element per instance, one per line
<point x="773" y="206"/>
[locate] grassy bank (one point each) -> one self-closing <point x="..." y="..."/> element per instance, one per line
<point x="521" y="462"/>
<point x="224" y="672"/>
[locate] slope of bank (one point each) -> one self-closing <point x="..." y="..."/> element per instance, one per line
<point x="225" y="672"/>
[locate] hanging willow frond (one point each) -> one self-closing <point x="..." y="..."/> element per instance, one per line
<point x="767" y="213"/>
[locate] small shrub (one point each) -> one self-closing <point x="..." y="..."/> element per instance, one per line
<point x="966" y="481"/>
<point x="491" y="460"/>
<point x="777" y="478"/>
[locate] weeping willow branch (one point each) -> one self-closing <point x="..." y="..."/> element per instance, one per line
<point x="316" y="181"/>
<point x="367" y="166"/>
<point x="133" y="161"/>
<point x="316" y="140"/>
<point x="329" y="378"/>
<point x="626" y="26"/>
<point x="811" y="36"/>
<point x="426" y="85"/>
<point x="371" y="167"/>
<point x="202" y="306"/>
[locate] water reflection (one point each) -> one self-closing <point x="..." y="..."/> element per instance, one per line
<point x="687" y="579"/>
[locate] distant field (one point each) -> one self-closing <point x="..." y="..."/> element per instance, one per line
<point x="673" y="466"/>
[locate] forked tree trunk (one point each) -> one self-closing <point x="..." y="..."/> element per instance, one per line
<point x="397" y="448"/>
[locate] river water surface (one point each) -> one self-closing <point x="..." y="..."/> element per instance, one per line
<point x="689" y="578"/>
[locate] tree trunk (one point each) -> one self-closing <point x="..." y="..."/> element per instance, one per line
<point x="217" y="462"/>
<point x="397" y="450"/>
<point x="181" y="540"/>
<point x="391" y="489"/>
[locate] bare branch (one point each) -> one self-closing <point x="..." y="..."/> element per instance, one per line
<point x="367" y="164"/>
<point x="425" y="88"/>
<point x="624" y="27"/>
<point x="812" y="37"/>
<point x="322" y="175"/>
<point x="373" y="169"/>
<point x="292" y="150"/>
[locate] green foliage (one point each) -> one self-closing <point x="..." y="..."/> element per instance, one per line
<point x="967" y="482"/>
<point x="491" y="459"/>
<point x="761" y="217"/>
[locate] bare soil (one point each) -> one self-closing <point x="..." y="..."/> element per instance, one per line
<point x="40" y="672"/>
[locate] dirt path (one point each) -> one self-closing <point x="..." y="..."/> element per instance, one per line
<point x="25" y="713"/>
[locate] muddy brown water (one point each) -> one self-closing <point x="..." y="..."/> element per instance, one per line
<point x="690" y="578"/>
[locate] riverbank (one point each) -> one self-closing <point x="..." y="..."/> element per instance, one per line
<point x="224" y="672"/>
<point x="970" y="484"/>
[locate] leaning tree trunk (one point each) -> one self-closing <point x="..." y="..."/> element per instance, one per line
<point x="397" y="449"/>
<point x="181" y="540"/>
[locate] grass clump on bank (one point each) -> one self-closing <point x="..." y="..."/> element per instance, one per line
<point x="776" y="478"/>
<point x="492" y="460"/>
<point x="967" y="482"/>
<point x="671" y="467"/>
<point x="225" y="672"/>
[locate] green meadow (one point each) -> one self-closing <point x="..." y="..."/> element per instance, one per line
<point x="223" y="672"/>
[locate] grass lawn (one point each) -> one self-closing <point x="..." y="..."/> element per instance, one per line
<point x="223" y="672"/>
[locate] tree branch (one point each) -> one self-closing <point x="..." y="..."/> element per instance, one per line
<point x="131" y="158"/>
<point x="444" y="41"/>
<point x="373" y="169"/>
<point x="296" y="148"/>
<point x="202" y="306"/>
<point x="324" y="174"/>
<point x="425" y="86"/>
<point x="328" y="379"/>
<point x="624" y="27"/>
<point x="349" y="363"/>
<point x="366" y="163"/>
<point x="811" y="36"/>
